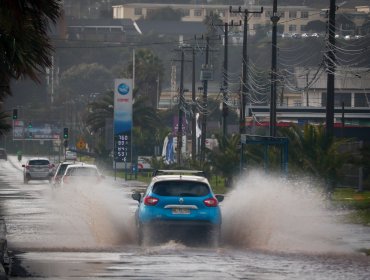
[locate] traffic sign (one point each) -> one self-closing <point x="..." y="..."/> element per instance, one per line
<point x="81" y="144"/>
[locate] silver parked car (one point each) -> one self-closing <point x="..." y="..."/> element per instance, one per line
<point x="37" y="169"/>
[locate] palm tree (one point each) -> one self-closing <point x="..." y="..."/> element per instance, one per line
<point x="145" y="119"/>
<point x="313" y="152"/>
<point x="226" y="157"/>
<point x="4" y="125"/>
<point x="25" y="46"/>
<point x="148" y="75"/>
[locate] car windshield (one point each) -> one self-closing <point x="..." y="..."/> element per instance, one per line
<point x="82" y="171"/>
<point x="38" y="162"/>
<point x="180" y="188"/>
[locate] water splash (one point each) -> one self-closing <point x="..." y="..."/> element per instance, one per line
<point x="91" y="216"/>
<point x="269" y="212"/>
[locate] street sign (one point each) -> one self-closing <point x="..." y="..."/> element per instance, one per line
<point x="81" y="144"/>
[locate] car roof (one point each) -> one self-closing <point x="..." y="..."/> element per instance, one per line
<point x="68" y="162"/>
<point x="39" y="158"/>
<point x="82" y="164"/>
<point x="176" y="175"/>
<point x="181" y="177"/>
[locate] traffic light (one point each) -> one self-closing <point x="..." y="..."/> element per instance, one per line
<point x="29" y="125"/>
<point x="15" y="114"/>
<point x="65" y="133"/>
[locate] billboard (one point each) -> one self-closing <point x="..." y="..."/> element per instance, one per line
<point x="35" y="130"/>
<point x="122" y="119"/>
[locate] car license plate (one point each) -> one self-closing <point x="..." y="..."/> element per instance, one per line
<point x="180" y="211"/>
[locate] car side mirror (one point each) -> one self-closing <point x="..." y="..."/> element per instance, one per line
<point x="23" y="165"/>
<point x="136" y="196"/>
<point x="220" y="197"/>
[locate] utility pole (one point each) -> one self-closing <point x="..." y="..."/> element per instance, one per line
<point x="181" y="98"/>
<point x="243" y="99"/>
<point x="331" y="60"/>
<point x="194" y="117"/>
<point x="225" y="109"/>
<point x="274" y="18"/>
<point x="204" y="107"/>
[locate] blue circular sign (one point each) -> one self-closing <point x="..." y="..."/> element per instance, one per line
<point x="123" y="89"/>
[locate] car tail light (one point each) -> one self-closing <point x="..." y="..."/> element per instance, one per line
<point x="211" y="202"/>
<point x="150" y="201"/>
<point x="65" y="179"/>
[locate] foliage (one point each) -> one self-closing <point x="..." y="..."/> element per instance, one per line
<point x="4" y="124"/>
<point x="99" y="110"/>
<point x="80" y="81"/>
<point x="312" y="151"/>
<point x="225" y="158"/>
<point x="145" y="119"/>
<point x="316" y="26"/>
<point x="166" y="13"/>
<point x="25" y="47"/>
<point x="148" y="72"/>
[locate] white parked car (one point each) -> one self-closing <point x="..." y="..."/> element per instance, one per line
<point x="81" y="173"/>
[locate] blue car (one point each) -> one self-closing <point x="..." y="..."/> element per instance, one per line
<point x="178" y="205"/>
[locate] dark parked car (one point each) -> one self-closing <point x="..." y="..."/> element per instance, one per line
<point x="3" y="154"/>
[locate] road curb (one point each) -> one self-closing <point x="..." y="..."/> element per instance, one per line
<point x="4" y="259"/>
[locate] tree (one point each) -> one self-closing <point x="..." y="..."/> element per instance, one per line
<point x="316" y="26"/>
<point x="25" y="46"/>
<point x="312" y="151"/>
<point x="226" y="157"/>
<point x="166" y="13"/>
<point x="145" y="118"/>
<point x="4" y="125"/>
<point x="80" y="81"/>
<point x="148" y="73"/>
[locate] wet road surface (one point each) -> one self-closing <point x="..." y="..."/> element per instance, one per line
<point x="268" y="234"/>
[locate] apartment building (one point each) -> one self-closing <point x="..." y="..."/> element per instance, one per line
<point x="293" y="19"/>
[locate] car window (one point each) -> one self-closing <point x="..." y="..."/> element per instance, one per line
<point x="82" y="171"/>
<point x="62" y="168"/>
<point x="180" y="188"/>
<point x="38" y="162"/>
<point x="2" y="152"/>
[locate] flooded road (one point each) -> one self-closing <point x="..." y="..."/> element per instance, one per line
<point x="272" y="230"/>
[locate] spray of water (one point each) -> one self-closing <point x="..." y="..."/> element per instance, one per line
<point x="272" y="213"/>
<point x="91" y="216"/>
